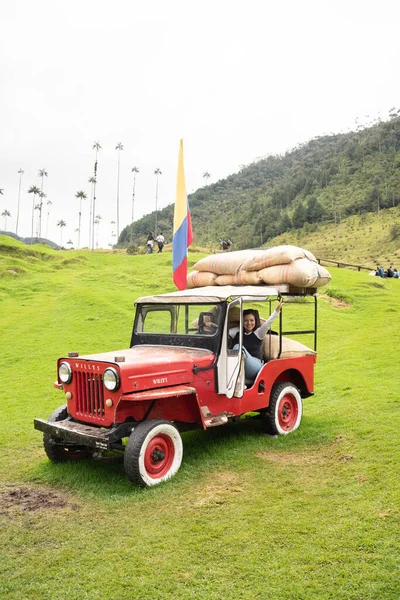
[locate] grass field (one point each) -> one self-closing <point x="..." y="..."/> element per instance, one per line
<point x="364" y="239"/>
<point x="314" y="515"/>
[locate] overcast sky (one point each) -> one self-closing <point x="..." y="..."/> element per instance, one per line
<point x="237" y="80"/>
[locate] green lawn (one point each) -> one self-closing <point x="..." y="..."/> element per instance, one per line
<point x="314" y="515"/>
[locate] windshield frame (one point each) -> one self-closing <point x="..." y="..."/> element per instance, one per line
<point x="191" y="339"/>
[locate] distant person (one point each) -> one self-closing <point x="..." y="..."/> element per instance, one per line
<point x="380" y="272"/>
<point x="389" y="272"/>
<point x="396" y="274"/>
<point x="225" y="244"/>
<point x="160" y="242"/>
<point x="150" y="243"/>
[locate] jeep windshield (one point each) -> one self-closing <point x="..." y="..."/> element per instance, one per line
<point x="193" y="325"/>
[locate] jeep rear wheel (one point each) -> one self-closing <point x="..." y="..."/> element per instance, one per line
<point x="55" y="449"/>
<point x="153" y="453"/>
<point x="285" y="409"/>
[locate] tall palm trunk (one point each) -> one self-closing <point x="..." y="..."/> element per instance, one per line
<point x="80" y="219"/>
<point x="119" y="152"/>
<point x="94" y="199"/>
<point x="118" y="147"/>
<point x="155" y="229"/>
<point x="92" y="181"/>
<point x="33" y="216"/>
<point x="97" y="147"/>
<point x="39" y="228"/>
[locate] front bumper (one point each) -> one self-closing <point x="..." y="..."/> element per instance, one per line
<point x="71" y="432"/>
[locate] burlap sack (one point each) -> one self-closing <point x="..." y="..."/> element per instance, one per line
<point x="299" y="273"/>
<point x="240" y="278"/>
<point x="290" y="348"/>
<point x="198" y="279"/>
<point x="278" y="255"/>
<point x="224" y="263"/>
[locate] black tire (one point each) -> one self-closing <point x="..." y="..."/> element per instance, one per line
<point x="53" y="447"/>
<point x="285" y="409"/>
<point x="153" y="453"/>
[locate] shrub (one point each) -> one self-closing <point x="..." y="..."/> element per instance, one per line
<point x="394" y="231"/>
<point x="132" y="249"/>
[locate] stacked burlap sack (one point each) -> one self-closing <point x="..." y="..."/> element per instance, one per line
<point x="272" y="266"/>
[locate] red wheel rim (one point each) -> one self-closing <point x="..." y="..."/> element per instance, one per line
<point x="159" y="456"/>
<point x="288" y="412"/>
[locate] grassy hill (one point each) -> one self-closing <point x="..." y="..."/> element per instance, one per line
<point x="323" y="181"/>
<point x="313" y="515"/>
<point x="360" y="239"/>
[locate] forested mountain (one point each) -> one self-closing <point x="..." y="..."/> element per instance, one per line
<point x="323" y="180"/>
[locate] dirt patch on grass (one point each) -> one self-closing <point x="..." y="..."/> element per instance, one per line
<point x="220" y="488"/>
<point x="337" y="302"/>
<point x="324" y="455"/>
<point x="297" y="459"/>
<point x="29" y="499"/>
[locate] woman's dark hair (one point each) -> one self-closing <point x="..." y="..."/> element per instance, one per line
<point x="252" y="311"/>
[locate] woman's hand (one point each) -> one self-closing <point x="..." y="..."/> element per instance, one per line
<point x="278" y="308"/>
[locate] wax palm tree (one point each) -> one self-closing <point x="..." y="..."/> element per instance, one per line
<point x="118" y="147"/>
<point x="92" y="181"/>
<point x="1" y="191"/>
<point x="157" y="172"/>
<point x="20" y="172"/>
<point x="33" y="190"/>
<point x="81" y="196"/>
<point x="61" y="224"/>
<point x="49" y="203"/>
<point x="206" y="176"/>
<point x="6" y="213"/>
<point x="134" y="170"/>
<point x="96" y="147"/>
<point x="42" y="173"/>
<point x="39" y="207"/>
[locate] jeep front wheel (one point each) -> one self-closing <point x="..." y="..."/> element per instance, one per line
<point x="285" y="409"/>
<point x="55" y="449"/>
<point x="153" y="453"/>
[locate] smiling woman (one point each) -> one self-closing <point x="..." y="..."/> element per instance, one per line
<point x="253" y="334"/>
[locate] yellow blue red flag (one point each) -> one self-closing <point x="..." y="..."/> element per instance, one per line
<point x="183" y="234"/>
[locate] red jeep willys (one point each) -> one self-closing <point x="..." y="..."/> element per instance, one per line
<point x="181" y="372"/>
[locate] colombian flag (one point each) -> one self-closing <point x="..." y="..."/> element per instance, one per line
<point x="183" y="235"/>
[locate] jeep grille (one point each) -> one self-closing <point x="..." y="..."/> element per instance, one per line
<point x="90" y="394"/>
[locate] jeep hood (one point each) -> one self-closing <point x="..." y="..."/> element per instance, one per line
<point x="150" y="366"/>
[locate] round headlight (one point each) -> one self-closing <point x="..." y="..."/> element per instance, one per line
<point x="65" y="372"/>
<point x="111" y="379"/>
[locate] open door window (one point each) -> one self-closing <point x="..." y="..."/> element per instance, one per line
<point x="230" y="359"/>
